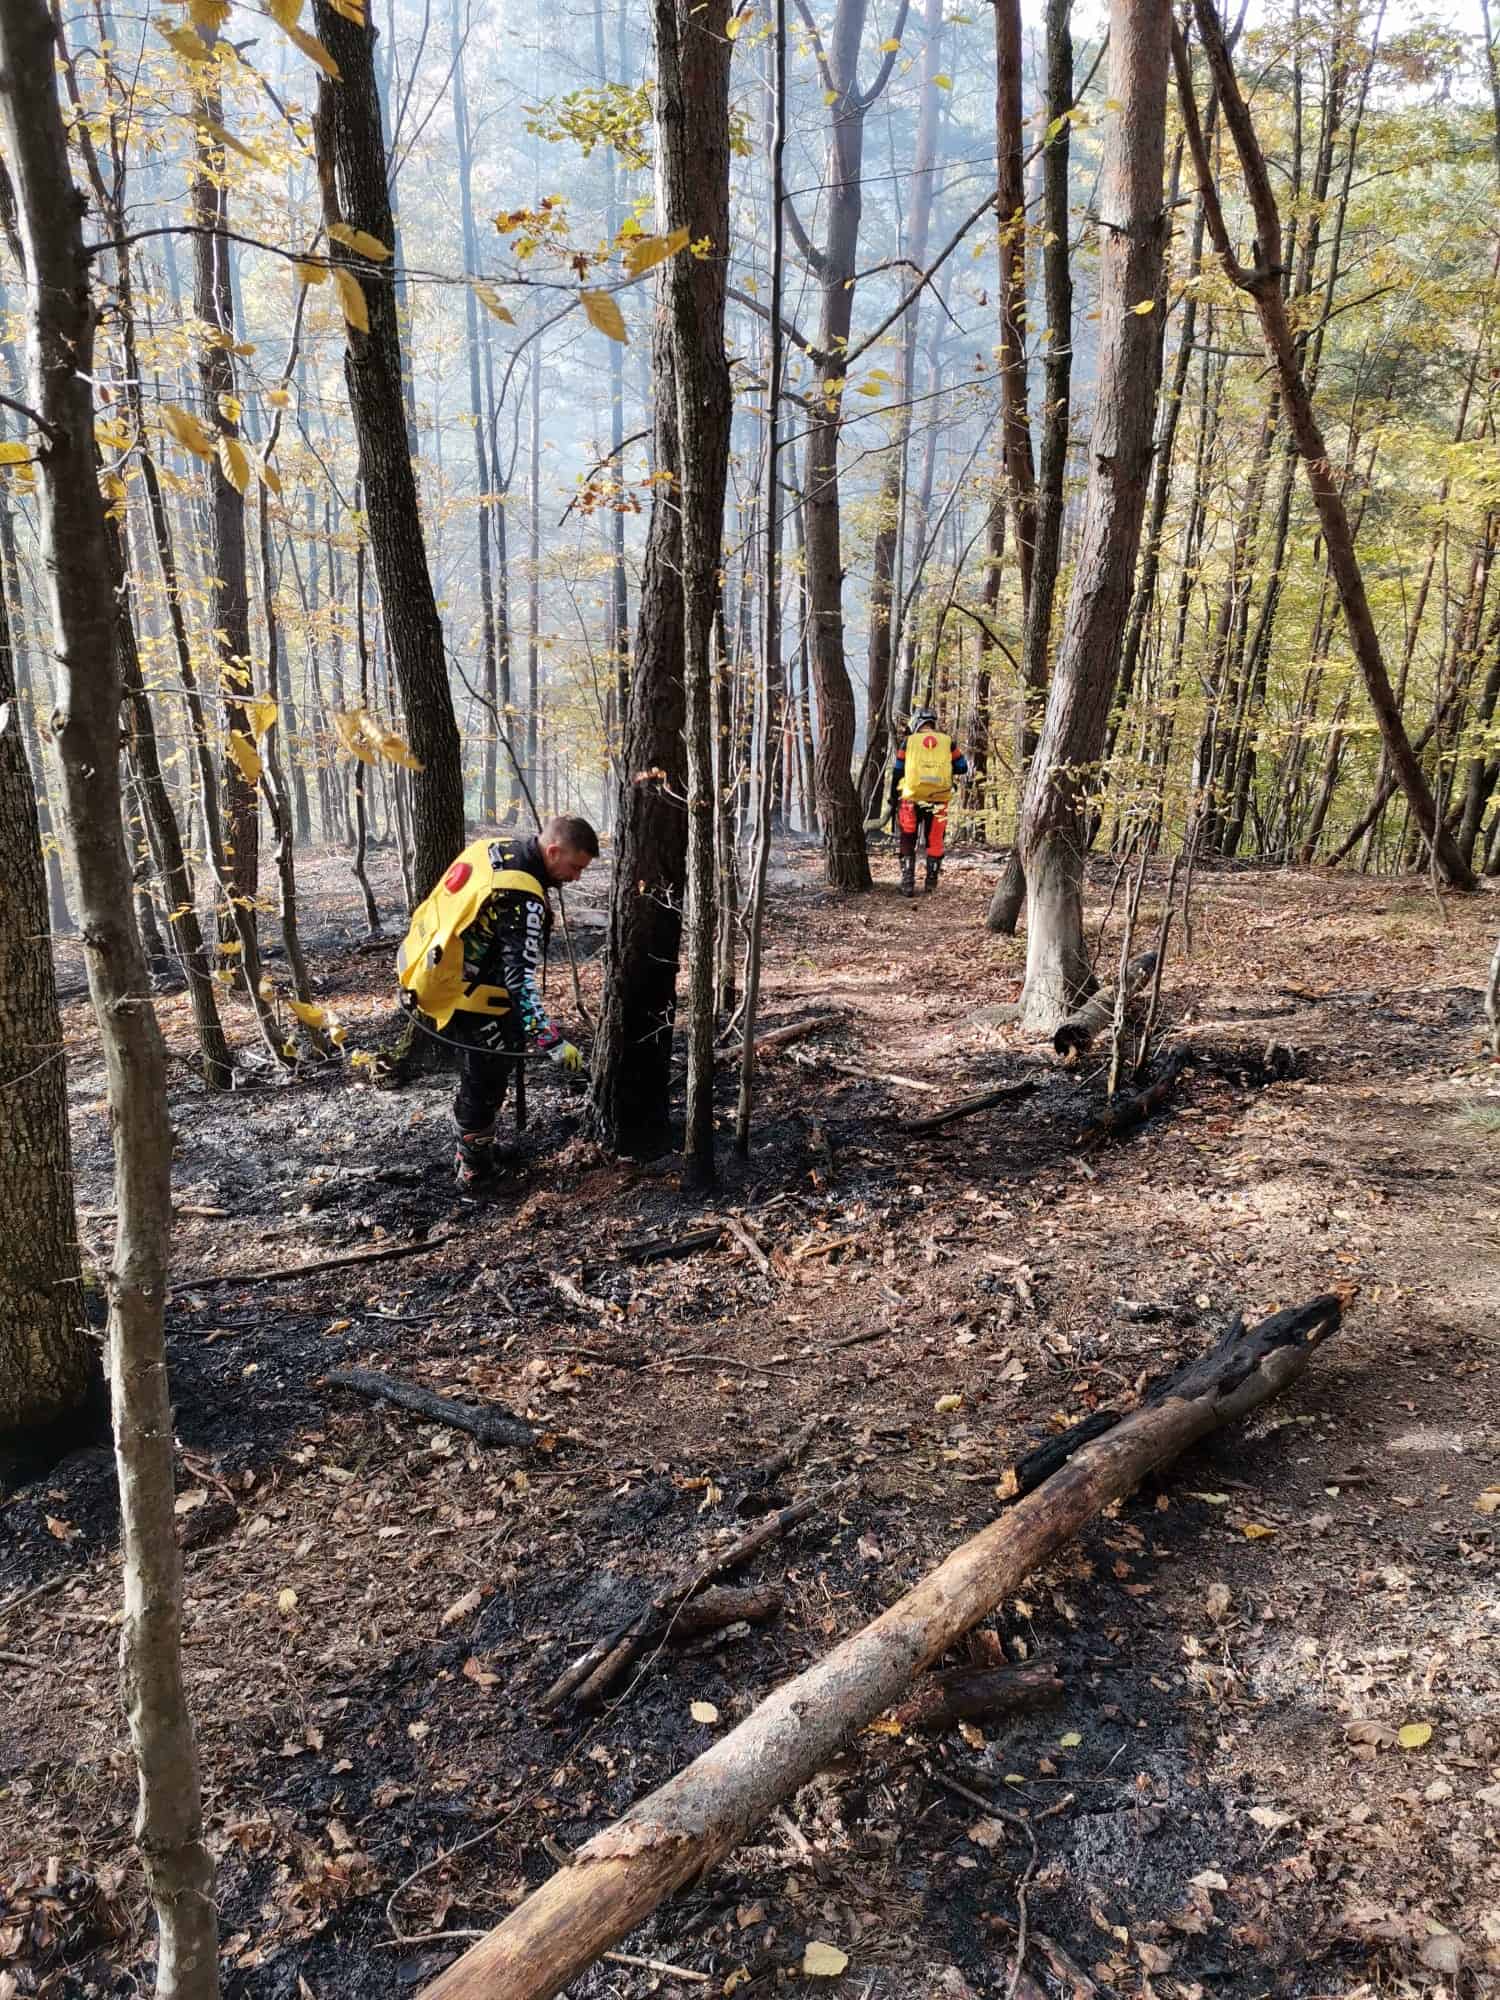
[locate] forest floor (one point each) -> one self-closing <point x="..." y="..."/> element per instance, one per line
<point x="375" y="1604"/>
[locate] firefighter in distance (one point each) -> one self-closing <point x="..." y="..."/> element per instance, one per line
<point x="927" y="766"/>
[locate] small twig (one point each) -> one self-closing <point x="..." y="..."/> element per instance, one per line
<point x="656" y="1965"/>
<point x="21" y="1660"/>
<point x="740" y="1231"/>
<point x="994" y="1811"/>
<point x="378" y="1254"/>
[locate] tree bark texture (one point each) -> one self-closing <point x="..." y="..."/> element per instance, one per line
<point x="44" y="1350"/>
<point x="86" y="724"/>
<point x="1264" y="287"/>
<point x="352" y="169"/>
<point x="1132" y="232"/>
<point x="631" y="1080"/>
<point x="692" y="1821"/>
<point x="228" y="585"/>
<point x="692" y="174"/>
<point x="847" y="862"/>
<point x="1047" y="525"/>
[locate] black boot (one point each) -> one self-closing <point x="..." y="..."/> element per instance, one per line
<point x="908" y="874"/>
<point x="934" y="869"/>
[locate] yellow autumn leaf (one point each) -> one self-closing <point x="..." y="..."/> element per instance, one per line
<point x="704" y="1711"/>
<point x="286" y="1601"/>
<point x="348" y="726"/>
<point x="285" y="13"/>
<point x="313" y="49"/>
<point x="209" y="15"/>
<point x="245" y="755"/>
<point x="823" y="1961"/>
<point x="261" y="714"/>
<point x="187" y="430"/>
<point x="188" y="43"/>
<point x="351" y="10"/>
<point x="221" y="137"/>
<point x="889" y="46"/>
<point x="351" y="299"/>
<point x="943" y="82"/>
<point x="602" y="310"/>
<point x="489" y="298"/>
<point x="1414" y="1735"/>
<point x="392" y="747"/>
<point x="309" y="1015"/>
<point x="234" y="462"/>
<point x="1254" y="1532"/>
<point x="830" y="97"/>
<point x="646" y="252"/>
<point x="278" y="398"/>
<point x="268" y="476"/>
<point x="1145" y="306"/>
<point x="310" y="274"/>
<point x="360" y="241"/>
<point x="735" y="28"/>
<point x="14" y="452"/>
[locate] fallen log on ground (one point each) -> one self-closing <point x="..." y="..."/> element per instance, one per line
<point x="973" y="1694"/>
<point x="1094" y="1016"/>
<point x="689" y="1823"/>
<point x="782" y="1038"/>
<point x="1125" y="1113"/>
<point x="967" y="1106"/>
<point x="485" y="1422"/>
<point x="651" y="1249"/>
<point x="715" y="1609"/>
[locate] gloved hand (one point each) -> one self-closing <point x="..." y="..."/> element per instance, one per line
<point x="566" y="1056"/>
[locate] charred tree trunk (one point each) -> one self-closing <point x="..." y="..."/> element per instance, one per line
<point x="631" y="1080"/>
<point x="692" y="171"/>
<point x="352" y="172"/>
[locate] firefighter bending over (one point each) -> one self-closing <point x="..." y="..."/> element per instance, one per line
<point x="921" y="787"/>
<point x="471" y="962"/>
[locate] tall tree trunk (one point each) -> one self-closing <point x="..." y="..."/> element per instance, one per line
<point x="352" y="171"/>
<point x="489" y="675"/>
<point x="228" y="585"/>
<point x="921" y="189"/>
<point x="1046" y="555"/>
<point x="1264" y="287"/>
<point x="1010" y="215"/>
<point x="692" y="170"/>
<point x="847" y="863"/>
<point x="76" y="564"/>
<point x="1133" y="230"/>
<point x="631" y="1080"/>
<point x="44" y="1347"/>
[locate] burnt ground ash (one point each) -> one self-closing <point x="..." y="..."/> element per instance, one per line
<point x="376" y="1605"/>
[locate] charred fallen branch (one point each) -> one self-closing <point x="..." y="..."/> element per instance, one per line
<point x="483" y="1421"/>
<point x="1075" y="1033"/>
<point x="686" y="1825"/>
<point x="977" y="1694"/>
<point x="590" y="1678"/>
<point x="1124" y="1113"/>
<point x="967" y="1106"/>
<point x="652" y="1249"/>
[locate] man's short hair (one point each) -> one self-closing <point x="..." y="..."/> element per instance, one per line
<point x="563" y="830"/>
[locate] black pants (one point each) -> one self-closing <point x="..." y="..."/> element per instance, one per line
<point x="488" y="1053"/>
